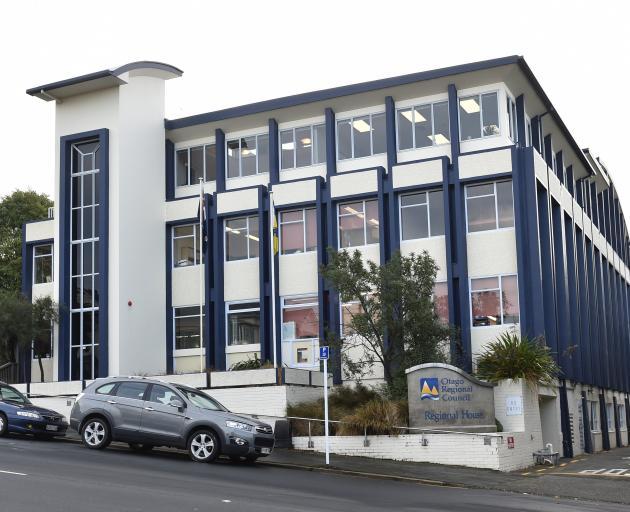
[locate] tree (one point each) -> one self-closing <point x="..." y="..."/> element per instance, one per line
<point x="16" y="209"/>
<point x="515" y="357"/>
<point x="26" y="325"/>
<point x="395" y="323"/>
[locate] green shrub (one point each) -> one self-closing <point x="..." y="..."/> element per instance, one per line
<point x="513" y="357"/>
<point x="376" y="417"/>
<point x="250" y="364"/>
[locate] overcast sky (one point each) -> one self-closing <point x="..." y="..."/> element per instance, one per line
<point x="239" y="52"/>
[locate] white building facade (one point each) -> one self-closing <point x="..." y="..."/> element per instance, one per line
<point x="471" y="163"/>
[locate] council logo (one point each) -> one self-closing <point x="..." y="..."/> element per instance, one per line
<point x="429" y="389"/>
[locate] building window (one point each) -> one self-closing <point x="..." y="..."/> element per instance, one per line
<point x="187" y="327"/>
<point x="42" y="264"/>
<point x="594" y="416"/>
<point x="421" y="215"/>
<point x="241" y="238"/>
<point x="512" y="123"/>
<point x="423" y="125"/>
<point x="479" y="116"/>
<point x="621" y="413"/>
<point x="300" y="329"/>
<point x="186" y="245"/>
<point x="361" y="136"/>
<point x="494" y="301"/>
<point x="358" y="224"/>
<point x="243" y="323"/>
<point x="298" y="231"/>
<point x="348" y="311"/>
<point x="192" y="164"/>
<point x="84" y="261"/>
<point x="489" y="206"/>
<point x="440" y="301"/>
<point x="610" y="417"/>
<point x="528" y="131"/>
<point x="301" y="147"/>
<point x="248" y="156"/>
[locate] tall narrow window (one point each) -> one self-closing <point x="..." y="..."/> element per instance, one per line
<point x="187" y="327"/>
<point x="494" y="301"/>
<point x="512" y="124"/>
<point x="194" y="163"/>
<point x="42" y="264"/>
<point x="243" y="323"/>
<point x="298" y="231"/>
<point x="241" y="238"/>
<point x="479" y="116"/>
<point x="300" y="329"/>
<point x="423" y="125"/>
<point x="248" y="156"/>
<point x="301" y="147"/>
<point x="186" y="245"/>
<point x="84" y="264"/>
<point x="358" y="224"/>
<point x="421" y="215"/>
<point x="489" y="206"/>
<point x="361" y="136"/>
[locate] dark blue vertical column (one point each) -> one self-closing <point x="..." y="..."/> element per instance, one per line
<point x="331" y="143"/>
<point x="563" y="325"/>
<point x="390" y="129"/>
<point x="266" y="347"/>
<point x="168" y="314"/>
<point x="536" y="142"/>
<point x="546" y="262"/>
<point x="383" y="215"/>
<point x="457" y="234"/>
<point x="320" y="213"/>
<point x="584" y="308"/>
<point x="218" y="291"/>
<point x="586" y="421"/>
<point x="593" y="339"/>
<point x="169" y="167"/>
<point x="24" y="355"/>
<point x="521" y="128"/>
<point x="617" y="424"/>
<point x="274" y="152"/>
<point x="570" y="182"/>
<point x="603" y="414"/>
<point x="560" y="172"/>
<point x="391" y="237"/>
<point x="548" y="151"/>
<point x="208" y="276"/>
<point x="574" y="344"/>
<point x="219" y="139"/>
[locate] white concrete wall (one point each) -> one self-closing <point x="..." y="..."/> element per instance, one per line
<point x="186" y="281"/>
<point x="298" y="274"/>
<point x="485" y="164"/>
<point x="353" y="184"/>
<point x="449" y="449"/>
<point x="417" y="174"/>
<point x="240" y="280"/>
<point x="40" y="230"/>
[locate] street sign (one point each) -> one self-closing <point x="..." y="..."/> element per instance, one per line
<point x="510" y="442"/>
<point x="323" y="353"/>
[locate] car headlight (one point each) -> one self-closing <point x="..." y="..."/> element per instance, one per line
<point x="239" y="425"/>
<point x="28" y="414"/>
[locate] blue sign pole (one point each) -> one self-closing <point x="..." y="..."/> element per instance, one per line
<point x="323" y="355"/>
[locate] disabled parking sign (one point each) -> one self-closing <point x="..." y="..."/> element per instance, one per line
<point x="323" y="353"/>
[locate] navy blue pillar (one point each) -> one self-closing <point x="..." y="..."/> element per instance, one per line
<point x="274" y="152"/>
<point x="603" y="414"/>
<point x="586" y="421"/>
<point x="218" y="296"/>
<point x="264" y="266"/>
<point x="219" y="138"/>
<point x="390" y="129"/>
<point x="170" y="169"/>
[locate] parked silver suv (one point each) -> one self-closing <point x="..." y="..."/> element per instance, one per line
<point x="145" y="413"/>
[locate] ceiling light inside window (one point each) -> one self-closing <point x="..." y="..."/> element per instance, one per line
<point x="470" y="105"/>
<point x="414" y="115"/>
<point x="438" y="138"/>
<point x="373" y="222"/>
<point x="361" y="126"/>
<point x="306" y="141"/>
<point x="255" y="238"/>
<point x="230" y="230"/>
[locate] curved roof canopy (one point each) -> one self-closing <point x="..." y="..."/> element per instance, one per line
<point x="98" y="80"/>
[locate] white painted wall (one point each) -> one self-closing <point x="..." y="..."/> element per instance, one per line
<point x="298" y="274"/>
<point x="491" y="253"/>
<point x="355" y="183"/>
<point x="485" y="164"/>
<point x="186" y="281"/>
<point x="417" y="174"/>
<point x="40" y="230"/>
<point x="240" y="280"/>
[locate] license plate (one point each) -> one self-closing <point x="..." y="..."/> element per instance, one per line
<point x="265" y="451"/>
<point x="52" y="428"/>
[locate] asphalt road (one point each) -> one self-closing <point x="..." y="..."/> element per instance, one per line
<point x="57" y="476"/>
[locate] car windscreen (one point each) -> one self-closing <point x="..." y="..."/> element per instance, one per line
<point x="202" y="400"/>
<point x="8" y="394"/>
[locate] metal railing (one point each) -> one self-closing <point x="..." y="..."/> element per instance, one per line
<point x="9" y="373"/>
<point x="51" y="212"/>
<point x="403" y="430"/>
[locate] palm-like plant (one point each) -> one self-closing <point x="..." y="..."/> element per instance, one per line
<point x="515" y="357"/>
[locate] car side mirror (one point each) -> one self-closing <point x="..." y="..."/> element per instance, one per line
<point x="177" y="403"/>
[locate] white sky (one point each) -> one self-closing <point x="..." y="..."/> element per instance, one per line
<point x="239" y="52"/>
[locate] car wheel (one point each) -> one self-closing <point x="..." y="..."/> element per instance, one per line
<point x="4" y="425"/>
<point x="95" y="434"/>
<point x="203" y="446"/>
<point x="139" y="447"/>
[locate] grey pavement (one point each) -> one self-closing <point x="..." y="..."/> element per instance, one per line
<point x="59" y="476"/>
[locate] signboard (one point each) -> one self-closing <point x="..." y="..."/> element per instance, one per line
<point x="443" y="397"/>
<point x="510" y="441"/>
<point x="514" y="406"/>
<point x="323" y="353"/>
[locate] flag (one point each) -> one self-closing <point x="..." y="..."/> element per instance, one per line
<point x="276" y="241"/>
<point x="202" y="215"/>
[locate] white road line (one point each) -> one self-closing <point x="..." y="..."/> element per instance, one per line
<point x="13" y="473"/>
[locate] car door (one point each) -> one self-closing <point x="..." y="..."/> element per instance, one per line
<point x="161" y="422"/>
<point x="126" y="408"/>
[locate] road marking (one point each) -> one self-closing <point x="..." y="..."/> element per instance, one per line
<point x="12" y="473"/>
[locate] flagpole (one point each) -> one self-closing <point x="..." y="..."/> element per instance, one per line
<point x="272" y="248"/>
<point x="201" y="275"/>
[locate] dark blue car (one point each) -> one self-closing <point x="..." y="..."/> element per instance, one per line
<point x="19" y="415"/>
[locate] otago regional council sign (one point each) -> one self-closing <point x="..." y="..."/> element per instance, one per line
<point x="443" y="397"/>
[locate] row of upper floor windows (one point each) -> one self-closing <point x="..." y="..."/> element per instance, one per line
<point x="489" y="206"/>
<point x="417" y="126"/>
